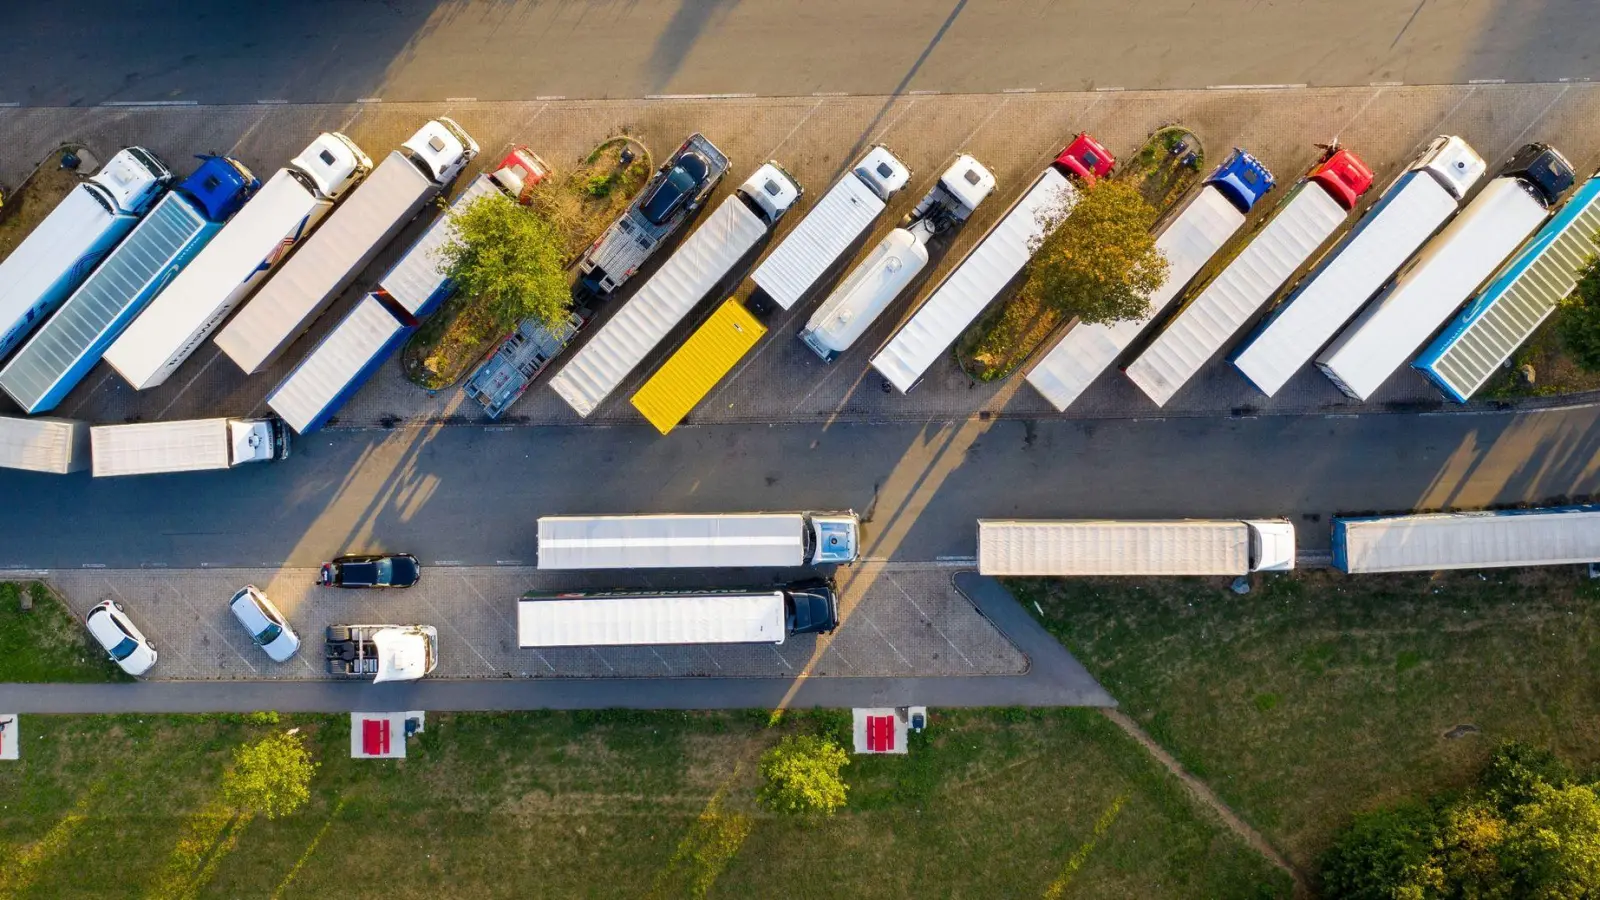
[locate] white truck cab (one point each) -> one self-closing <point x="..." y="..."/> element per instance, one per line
<point x="836" y="539"/>
<point x="1271" y="545"/>
<point x="970" y="182"/>
<point x="882" y="172"/>
<point x="772" y="190"/>
<point x="333" y="163"/>
<point x="1453" y="163"/>
<point x="443" y="148"/>
<point x="133" y="179"/>
<point x="257" y="440"/>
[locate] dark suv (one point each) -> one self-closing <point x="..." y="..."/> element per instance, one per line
<point x="396" y="570"/>
<point x="673" y="191"/>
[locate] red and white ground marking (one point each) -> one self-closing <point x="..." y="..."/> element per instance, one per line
<point x="881" y="729"/>
<point x="382" y="735"/>
<point x="10" y="736"/>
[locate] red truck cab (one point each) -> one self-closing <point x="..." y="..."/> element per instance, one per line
<point x="520" y="172"/>
<point x="1343" y="175"/>
<point x="1085" y="158"/>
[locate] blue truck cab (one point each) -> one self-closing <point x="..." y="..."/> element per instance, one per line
<point x="1242" y="179"/>
<point x="219" y="186"/>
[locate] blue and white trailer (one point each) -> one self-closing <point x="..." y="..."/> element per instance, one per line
<point x="61" y="353"/>
<point x="62" y="250"/>
<point x="1431" y="542"/>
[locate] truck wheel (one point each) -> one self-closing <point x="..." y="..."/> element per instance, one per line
<point x="338" y="633"/>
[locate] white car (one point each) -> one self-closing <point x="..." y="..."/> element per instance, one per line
<point x="121" y="638"/>
<point x="268" y="628"/>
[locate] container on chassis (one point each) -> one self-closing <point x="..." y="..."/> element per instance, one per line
<point x="619" y="619"/>
<point x="219" y="277"/>
<point x="1110" y="547"/>
<point x="843" y="214"/>
<point x="704" y="359"/>
<point x="57" y="357"/>
<point x="1440" y="277"/>
<point x="1517" y="300"/>
<point x="349" y="354"/>
<point x="897" y="259"/>
<point x="1411" y="209"/>
<point x="296" y="295"/>
<point x="381" y="652"/>
<point x="1471" y="540"/>
<point x="991" y="265"/>
<point x="1305" y="218"/>
<point x="1188" y="238"/>
<point x="50" y="445"/>
<point x="704" y="259"/>
<point x="150" y="448"/>
<point x="511" y="368"/>
<point x="730" y="540"/>
<point x="63" y="249"/>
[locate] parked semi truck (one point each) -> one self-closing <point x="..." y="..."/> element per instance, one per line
<point x="219" y="278"/>
<point x="1518" y="299"/>
<point x="996" y="260"/>
<point x="838" y="220"/>
<point x="1431" y="542"/>
<point x="45" y="444"/>
<point x="678" y="188"/>
<point x="704" y="359"/>
<point x="192" y="445"/>
<point x="897" y="260"/>
<point x="621" y="619"/>
<point x="296" y="295"/>
<point x="1107" y="547"/>
<point x="1188" y="238"/>
<point x="412" y="288"/>
<point x="63" y="249"/>
<point x="1436" y="282"/>
<point x="704" y="259"/>
<point x="57" y="357"/>
<point x="1411" y="209"/>
<point x="1292" y="232"/>
<point x="381" y="652"/>
<point x="699" y="541"/>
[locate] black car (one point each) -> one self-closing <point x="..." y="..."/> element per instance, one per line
<point x="396" y="570"/>
<point x="673" y="191"/>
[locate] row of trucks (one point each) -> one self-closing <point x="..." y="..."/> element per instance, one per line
<point x="59" y="446"/>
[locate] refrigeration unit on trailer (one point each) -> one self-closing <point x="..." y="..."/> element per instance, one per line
<point x="297" y="294"/>
<point x="356" y="347"/>
<point x="1431" y="542"/>
<point x="704" y="359"/>
<point x="1433" y="285"/>
<point x="704" y="259"/>
<point x="1127" y="547"/>
<point x="1411" y="209"/>
<point x="220" y="276"/>
<point x="621" y="619"/>
<point x="1292" y="232"/>
<point x="149" y="448"/>
<point x="897" y="259"/>
<point x="63" y="249"/>
<point x="1187" y="238"/>
<point x="699" y="541"/>
<point x="57" y="357"/>
<point x="1517" y="300"/>
<point x="843" y="214"/>
<point x="991" y="265"/>
<point x="46" y="444"/>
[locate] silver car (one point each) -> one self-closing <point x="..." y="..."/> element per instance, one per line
<point x="268" y="629"/>
<point x="121" y="638"/>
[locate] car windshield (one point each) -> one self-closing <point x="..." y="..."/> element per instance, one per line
<point x="383" y="571"/>
<point x="124" y="648"/>
<point x="269" y="634"/>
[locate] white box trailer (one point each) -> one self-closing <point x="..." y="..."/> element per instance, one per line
<point x="193" y="445"/>
<point x="846" y="211"/>
<point x="1111" y="547"/>
<point x="621" y="619"/>
<point x="1188" y="239"/>
<point x="46" y="444"/>
<point x="1431" y="542"/>
<point x="1411" y="209"/>
<point x="63" y="249"/>
<point x="715" y="540"/>
<point x="1301" y="223"/>
<point x="318" y="272"/>
<point x="698" y="265"/>
<point x="1436" y="282"/>
<point x="218" y="279"/>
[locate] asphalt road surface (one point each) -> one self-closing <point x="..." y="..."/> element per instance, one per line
<point x="470" y="495"/>
<point x="98" y="51"/>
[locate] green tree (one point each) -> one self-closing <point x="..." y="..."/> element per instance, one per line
<point x="271" y="777"/>
<point x="510" y="258"/>
<point x="1382" y="855"/>
<point x="1552" y="850"/>
<point x="1100" y="263"/>
<point x="803" y="775"/>
<point x="1579" y="322"/>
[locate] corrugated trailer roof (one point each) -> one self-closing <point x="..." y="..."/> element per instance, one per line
<point x="150" y="447"/>
<point x="45" y="444"/>
<point x="417" y="281"/>
<point x="816" y="243"/>
<point x="703" y="360"/>
<point x="341" y="362"/>
<point x="1110" y="547"/>
<point x="645" y="620"/>
<point x="1473" y="540"/>
<point x="57" y="254"/>
<point x="755" y="540"/>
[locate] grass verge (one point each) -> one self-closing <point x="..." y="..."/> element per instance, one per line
<point x="36" y="197"/>
<point x="1554" y="372"/>
<point x="47" y="642"/>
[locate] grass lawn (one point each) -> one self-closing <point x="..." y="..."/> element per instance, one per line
<point x="990" y="804"/>
<point x="1554" y="372"/>
<point x="47" y="643"/>
<point x="1320" y="695"/>
<point x="28" y="204"/>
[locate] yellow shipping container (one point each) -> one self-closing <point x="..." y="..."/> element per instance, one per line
<point x="685" y="379"/>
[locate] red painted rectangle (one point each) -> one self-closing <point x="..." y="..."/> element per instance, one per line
<point x="880" y="733"/>
<point x="375" y="737"/>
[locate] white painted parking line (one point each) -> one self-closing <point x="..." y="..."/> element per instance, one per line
<point x="1486" y="81"/>
<point x="215" y="355"/>
<point x="735" y="96"/>
<point x="447" y="562"/>
<point x="492" y="428"/>
<point x="369" y="99"/>
<point x="461" y="99"/>
<point x="551" y="97"/>
<point x="508" y="562"/>
<point x="11" y="104"/>
<point x="1254" y="87"/>
<point x="830" y="93"/>
<point x="272" y="102"/>
<point x="782" y="660"/>
<point x="151" y="103"/>
<point x="1020" y="91"/>
<point x="929" y="619"/>
<point x="885" y="639"/>
<point x="923" y="93"/>
<point x="711" y="657"/>
<point x="602" y="659"/>
<point x="773" y="153"/>
<point x="663" y="660"/>
<point x="94" y="565"/>
<point x="199" y="618"/>
<point x="448" y="623"/>
<point x="1110" y="90"/>
<point x="1386" y="84"/>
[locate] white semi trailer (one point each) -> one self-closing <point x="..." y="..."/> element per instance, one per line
<point x="1411" y="209"/>
<point x="621" y="619"/>
<point x="313" y="278"/>
<point x="222" y="275"/>
<point x="1431" y="542"/>
<point x="44" y="444"/>
<point x="716" y="540"/>
<point x="193" y="445"/>
<point x="704" y="259"/>
<point x="1125" y="547"/>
